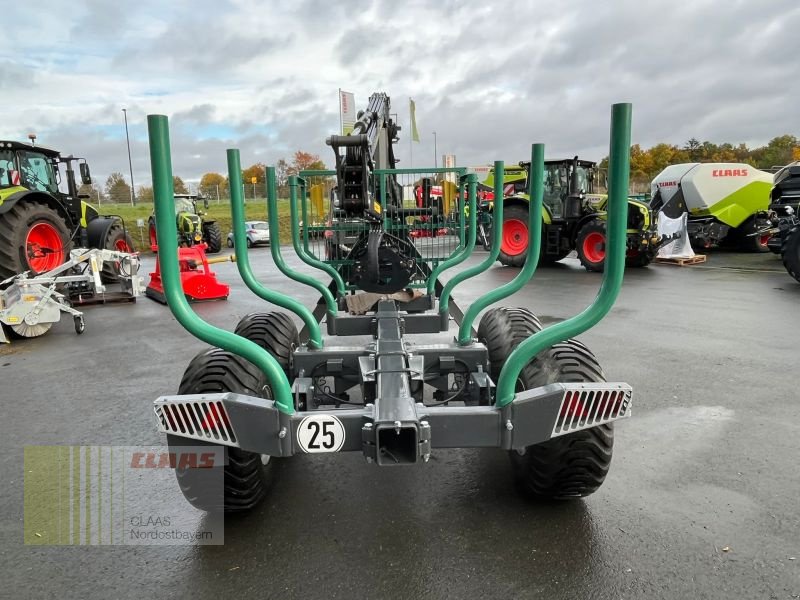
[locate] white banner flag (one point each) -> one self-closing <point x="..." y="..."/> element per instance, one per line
<point x="347" y="111"/>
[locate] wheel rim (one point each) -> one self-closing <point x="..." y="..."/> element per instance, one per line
<point x="122" y="246"/>
<point x="515" y="237"/>
<point x="44" y="247"/>
<point x="764" y="239"/>
<point x="153" y="237"/>
<point x="594" y="247"/>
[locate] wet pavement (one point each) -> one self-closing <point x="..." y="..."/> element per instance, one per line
<point x="702" y="501"/>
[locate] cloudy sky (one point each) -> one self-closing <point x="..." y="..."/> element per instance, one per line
<point x="488" y="77"/>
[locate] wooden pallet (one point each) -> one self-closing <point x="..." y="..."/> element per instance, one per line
<point x="682" y="262"/>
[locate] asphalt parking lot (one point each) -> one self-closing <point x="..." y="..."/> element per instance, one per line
<point x="701" y="502"/>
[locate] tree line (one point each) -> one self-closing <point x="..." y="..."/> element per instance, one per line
<point x="647" y="163"/>
<point x="213" y="185"/>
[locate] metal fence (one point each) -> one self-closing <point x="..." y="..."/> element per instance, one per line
<point x="420" y="212"/>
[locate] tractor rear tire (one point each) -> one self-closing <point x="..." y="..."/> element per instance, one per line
<point x="116" y="239"/>
<point x="591" y="246"/>
<point x="17" y="223"/>
<point x="501" y="330"/>
<point x="514" y="244"/>
<point x="790" y="252"/>
<point x="246" y="475"/>
<point x="212" y="235"/>
<point x="275" y="332"/>
<point x="574" y="465"/>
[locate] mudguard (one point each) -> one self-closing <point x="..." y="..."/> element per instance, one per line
<point x="98" y="229"/>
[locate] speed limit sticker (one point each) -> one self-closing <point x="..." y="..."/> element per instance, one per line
<point x="320" y="433"/>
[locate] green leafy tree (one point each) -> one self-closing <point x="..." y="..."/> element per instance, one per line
<point x="144" y="193"/>
<point x="117" y="189"/>
<point x="258" y="170"/>
<point x="212" y="184"/>
<point x="179" y="186"/>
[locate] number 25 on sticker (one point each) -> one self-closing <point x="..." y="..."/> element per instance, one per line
<point x="320" y="433"/>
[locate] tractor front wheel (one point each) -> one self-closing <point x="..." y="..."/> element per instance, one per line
<point x="514" y="241"/>
<point x="35" y="238"/>
<point x="591" y="246"/>
<point x="212" y="235"/>
<point x="246" y="475"/>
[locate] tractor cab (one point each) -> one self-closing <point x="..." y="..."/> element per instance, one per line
<point x="566" y="184"/>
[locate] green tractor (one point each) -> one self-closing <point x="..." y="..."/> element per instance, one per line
<point x="574" y="216"/>
<point x="192" y="228"/>
<point x="39" y="224"/>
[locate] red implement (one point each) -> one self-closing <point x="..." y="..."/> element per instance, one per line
<point x="199" y="282"/>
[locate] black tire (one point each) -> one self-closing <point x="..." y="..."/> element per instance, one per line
<point x="640" y="259"/>
<point x="514" y="213"/>
<point x="230" y="242"/>
<point x="273" y="331"/>
<point x="571" y="466"/>
<point x="15" y="225"/>
<point x="246" y="476"/>
<point x="742" y="239"/>
<point x="249" y="243"/>
<point x="116" y="239"/>
<point x="790" y="252"/>
<point x="501" y="330"/>
<point x="591" y="252"/>
<point x="212" y="235"/>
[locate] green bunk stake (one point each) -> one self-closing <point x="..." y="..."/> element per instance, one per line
<point x="497" y="237"/>
<point x="243" y="258"/>
<point x="294" y="184"/>
<point x="275" y="248"/>
<point x="467" y="246"/>
<point x="167" y="236"/>
<point x="536" y="192"/>
<point x="619" y="165"/>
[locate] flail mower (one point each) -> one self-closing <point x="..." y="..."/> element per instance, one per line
<point x="268" y="391"/>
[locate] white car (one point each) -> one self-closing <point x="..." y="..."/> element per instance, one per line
<point x="257" y="233"/>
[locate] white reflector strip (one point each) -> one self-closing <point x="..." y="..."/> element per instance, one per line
<point x="196" y="420"/>
<point x="586" y="405"/>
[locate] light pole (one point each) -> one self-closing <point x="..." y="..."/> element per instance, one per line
<point x="130" y="162"/>
<point x="435" y="153"/>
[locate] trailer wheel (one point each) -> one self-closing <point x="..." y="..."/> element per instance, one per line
<point x="501" y="330"/>
<point x="591" y="246"/>
<point x="212" y="234"/>
<point x="246" y="475"/>
<point x="573" y="465"/>
<point x="35" y="238"/>
<point x="790" y="252"/>
<point x="273" y="331"/>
